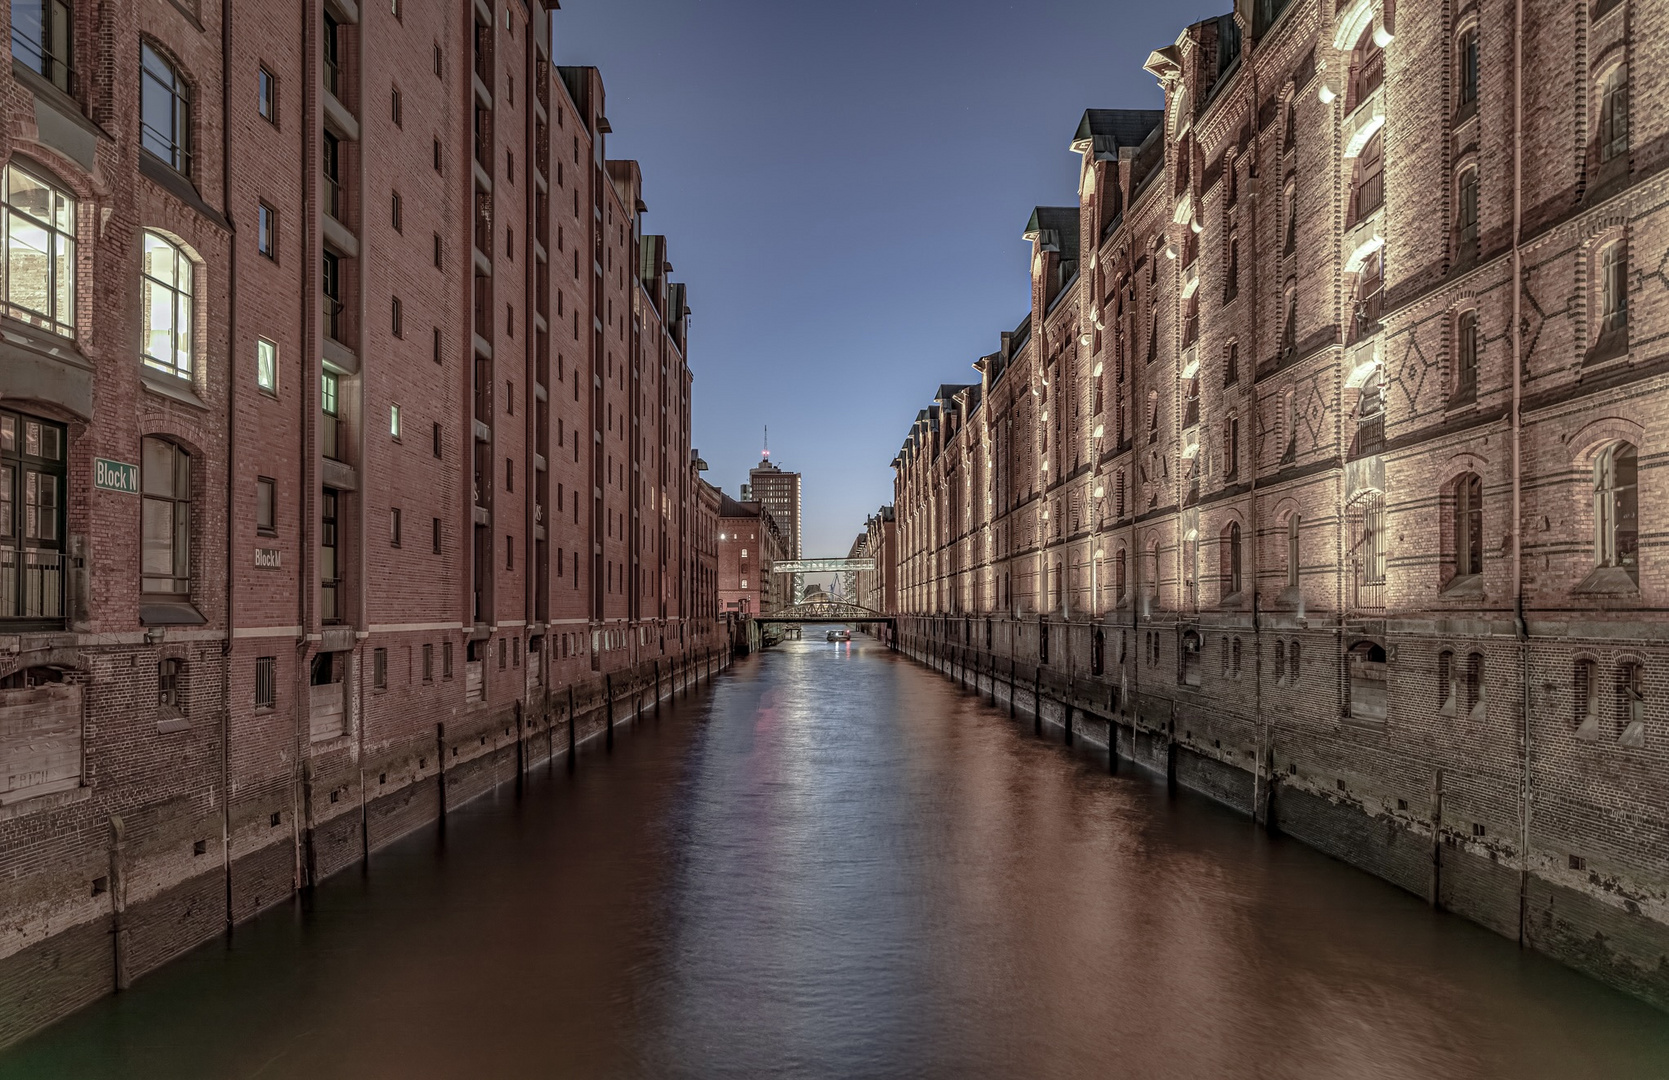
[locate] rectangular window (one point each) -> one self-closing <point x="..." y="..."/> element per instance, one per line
<point x="394" y="527"/>
<point x="330" y="583"/>
<point x="41" y="33"/>
<point x="266" y="96"/>
<point x="395" y="215"/>
<point x="437" y="441"/>
<point x="437" y="344"/>
<point x="446" y="660"/>
<point x="165" y="514"/>
<point x="266" y="510"/>
<point x="379" y="669"/>
<point x="164" y="110"/>
<point x="266" y="681"/>
<point x="437" y="155"/>
<point x="1466" y="356"/>
<point x="394" y="106"/>
<point x="32" y="480"/>
<point x="509" y="553"/>
<point x="396" y="318"/>
<point x="39" y="252"/>
<point x="266" y="365"/>
<point x="428" y="662"/>
<point x="394" y="422"/>
<point x="438" y="250"/>
<point x="509" y="474"/>
<point x="266" y="231"/>
<point x="435" y="540"/>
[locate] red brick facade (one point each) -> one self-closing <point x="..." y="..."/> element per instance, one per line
<point x="1285" y="476"/>
<point x="347" y="560"/>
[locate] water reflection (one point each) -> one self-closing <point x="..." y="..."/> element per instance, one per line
<point x="837" y="865"/>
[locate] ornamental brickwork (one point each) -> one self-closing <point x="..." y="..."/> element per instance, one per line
<point x="1323" y="467"/>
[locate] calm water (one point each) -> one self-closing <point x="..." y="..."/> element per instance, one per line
<point x="834" y="864"/>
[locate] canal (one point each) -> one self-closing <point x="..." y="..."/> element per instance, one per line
<point x="835" y="864"/>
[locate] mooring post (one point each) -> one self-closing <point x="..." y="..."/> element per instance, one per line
<point x="570" y="725"/>
<point x="1037" y="701"/>
<point x="608" y="693"/>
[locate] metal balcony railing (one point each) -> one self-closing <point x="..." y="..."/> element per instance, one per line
<point x="31" y="585"/>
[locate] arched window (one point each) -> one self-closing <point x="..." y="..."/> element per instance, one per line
<point x="1613" y="115"/>
<point x="39" y="263"/>
<point x="1367" y="68"/>
<point x="1472" y="696"/>
<point x="1292" y="220"/>
<point x="1616" y="507"/>
<point x="1289" y="420"/>
<point x="165" y="488"/>
<point x="1152" y="415"/>
<point x="1466" y="73"/>
<point x="1188" y="669"/>
<point x="1466" y="537"/>
<point x="1231" y="560"/>
<point x="1292" y="663"/>
<point x="165" y="302"/>
<point x="1585" y="700"/>
<point x="1231" y="447"/>
<point x="1631" y="704"/>
<point x="1289" y="328"/>
<point x="1370" y="296"/>
<point x="1294" y="523"/>
<point x="1367" y="192"/>
<point x="1366" y="668"/>
<point x="1466" y="213"/>
<point x="1231" y="364"/>
<point x="1466" y="357"/>
<point x="1120" y="582"/>
<point x="1613" y="288"/>
<point x="1370" y="414"/>
<point x="1280" y="661"/>
<point x="164" y="110"/>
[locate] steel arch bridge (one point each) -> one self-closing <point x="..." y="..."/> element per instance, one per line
<point x="824" y="611"/>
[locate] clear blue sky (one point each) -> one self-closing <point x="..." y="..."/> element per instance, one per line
<point x="843" y="187"/>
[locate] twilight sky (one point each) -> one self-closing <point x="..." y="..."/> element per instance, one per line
<point x="843" y="187"/>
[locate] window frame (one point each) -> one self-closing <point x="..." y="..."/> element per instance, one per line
<point x="42" y="55"/>
<point x="32" y="556"/>
<point x="182" y="308"/>
<point x="61" y="231"/>
<point x="178" y="577"/>
<point x="173" y="147"/>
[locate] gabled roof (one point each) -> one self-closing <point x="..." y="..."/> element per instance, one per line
<point x="1061" y="220"/>
<point x="1105" y="130"/>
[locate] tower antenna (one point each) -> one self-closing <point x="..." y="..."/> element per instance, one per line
<point x="767" y="450"/>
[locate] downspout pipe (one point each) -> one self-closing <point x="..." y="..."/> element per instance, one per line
<point x="231" y="450"/>
<point x="1520" y="625"/>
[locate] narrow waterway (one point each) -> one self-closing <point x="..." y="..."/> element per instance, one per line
<point x="835" y="864"/>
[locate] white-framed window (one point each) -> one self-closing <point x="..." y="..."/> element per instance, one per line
<point x="165" y="303"/>
<point x="266" y="365"/>
<point x="394" y="421"/>
<point x="1617" y="507"/>
<point x="40" y="251"/>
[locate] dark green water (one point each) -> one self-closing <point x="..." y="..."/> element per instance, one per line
<point x="834" y="864"/>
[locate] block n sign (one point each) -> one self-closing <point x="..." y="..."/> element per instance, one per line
<point x="115" y="476"/>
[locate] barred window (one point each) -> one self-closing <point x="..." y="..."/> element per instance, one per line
<point x="266" y="681"/>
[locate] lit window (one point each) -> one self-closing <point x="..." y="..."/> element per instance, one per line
<point x="40" y="252"/>
<point x="394" y="421"/>
<point x="165" y="301"/>
<point x="266" y="365"/>
<point x="164" y="110"/>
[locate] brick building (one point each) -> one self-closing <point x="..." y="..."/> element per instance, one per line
<point x="281" y="579"/>
<point x="750" y="543"/>
<point x="878" y="588"/>
<point x="1316" y="465"/>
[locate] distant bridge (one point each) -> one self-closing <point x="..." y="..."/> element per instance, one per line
<point x="848" y="569"/>
<point x="824" y="611"/>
